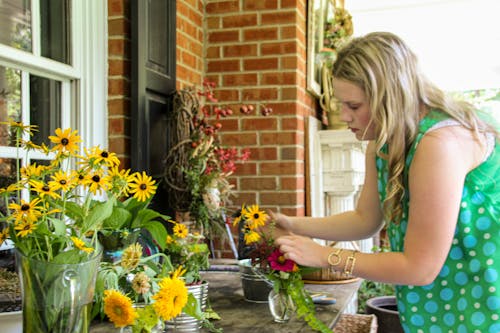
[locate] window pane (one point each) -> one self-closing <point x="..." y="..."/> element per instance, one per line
<point x="45" y="107"/>
<point x="15" y="24"/>
<point x="10" y="102"/>
<point x="55" y="30"/>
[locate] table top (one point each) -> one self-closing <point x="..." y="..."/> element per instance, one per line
<point x="225" y="296"/>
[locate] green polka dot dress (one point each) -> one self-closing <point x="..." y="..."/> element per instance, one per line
<point x="465" y="297"/>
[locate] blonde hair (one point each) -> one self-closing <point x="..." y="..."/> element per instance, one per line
<point x="385" y="68"/>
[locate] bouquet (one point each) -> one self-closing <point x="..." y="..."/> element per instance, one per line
<point x="284" y="274"/>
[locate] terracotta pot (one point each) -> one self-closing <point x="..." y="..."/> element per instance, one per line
<point x="386" y="310"/>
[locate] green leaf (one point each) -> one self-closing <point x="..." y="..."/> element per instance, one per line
<point x="158" y="233"/>
<point x="99" y="212"/>
<point x="144" y="216"/>
<point x="192" y="307"/>
<point x="119" y="217"/>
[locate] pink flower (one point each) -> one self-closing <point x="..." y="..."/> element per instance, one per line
<point x="278" y="262"/>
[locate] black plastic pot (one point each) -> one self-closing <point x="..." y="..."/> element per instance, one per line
<point x="386" y="310"/>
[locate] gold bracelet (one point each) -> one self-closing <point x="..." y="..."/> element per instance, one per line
<point x="336" y="254"/>
<point x="350" y="260"/>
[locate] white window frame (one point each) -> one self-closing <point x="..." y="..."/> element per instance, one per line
<point x="83" y="84"/>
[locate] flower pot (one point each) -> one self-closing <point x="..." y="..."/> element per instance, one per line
<point x="255" y="287"/>
<point x="386" y="310"/>
<point x="57" y="298"/>
<point x="186" y="323"/>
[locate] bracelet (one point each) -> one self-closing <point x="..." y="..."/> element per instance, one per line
<point x="351" y="260"/>
<point x="334" y="254"/>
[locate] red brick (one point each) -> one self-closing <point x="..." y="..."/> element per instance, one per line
<point x="118" y="27"/>
<point x="292" y="153"/>
<point x="282" y="198"/>
<point x="292" y="183"/>
<point x="281" y="48"/>
<point x="239" y="139"/>
<point x="239" y="21"/>
<point x="260" y="64"/>
<point x="240" y="79"/>
<point x="247" y="50"/>
<point x="281" y="138"/>
<point x="223" y="66"/>
<point x="279" y="78"/>
<point x="118" y="67"/>
<point x="260" y="5"/>
<point x="281" y="168"/>
<point x="259" y="183"/>
<point x="222" y="7"/>
<point x="260" y="34"/>
<point x="224" y="36"/>
<point x="118" y="87"/>
<point x="292" y="123"/>
<point x="281" y="17"/>
<point x="120" y="106"/>
<point x="264" y="154"/>
<point x="260" y="124"/>
<point x="260" y="94"/>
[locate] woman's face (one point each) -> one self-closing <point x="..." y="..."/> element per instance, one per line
<point x="354" y="109"/>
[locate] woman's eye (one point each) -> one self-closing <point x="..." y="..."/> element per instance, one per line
<point x="353" y="107"/>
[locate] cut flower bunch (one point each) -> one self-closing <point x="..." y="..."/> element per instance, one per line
<point x="268" y="261"/>
<point x="55" y="209"/>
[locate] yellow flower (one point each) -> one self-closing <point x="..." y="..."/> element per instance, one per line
<point x="45" y="189"/>
<point x="131" y="256"/>
<point x="140" y="283"/>
<point x="32" y="171"/>
<point x="119" y="308"/>
<point x="143" y="187"/>
<point x="81" y="245"/>
<point x="20" y="128"/>
<point x="62" y="180"/>
<point x="120" y="180"/>
<point x="24" y="228"/>
<point x="4" y="234"/>
<point x="180" y="230"/>
<point x="171" y="298"/>
<point x="251" y="237"/>
<point x="98" y="155"/>
<point x="66" y="141"/>
<point x="26" y="210"/>
<point x="96" y="182"/>
<point x="255" y="217"/>
<point x="238" y="216"/>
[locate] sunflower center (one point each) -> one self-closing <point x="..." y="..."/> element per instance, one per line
<point x="25" y="207"/>
<point x="27" y="227"/>
<point x="256" y="216"/>
<point x="64" y="141"/>
<point x="143" y="187"/>
<point x="104" y="154"/>
<point x="96" y="178"/>
<point x="46" y="188"/>
<point x="80" y="177"/>
<point x="62" y="182"/>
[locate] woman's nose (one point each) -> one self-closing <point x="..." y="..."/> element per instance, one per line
<point x="345" y="114"/>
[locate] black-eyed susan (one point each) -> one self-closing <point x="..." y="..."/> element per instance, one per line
<point x="119" y="309"/>
<point x="251" y="237"/>
<point x="80" y="244"/>
<point x="20" y="128"/>
<point x="4" y="234"/>
<point x="171" y="298"/>
<point x="255" y="217"/>
<point x="65" y="141"/>
<point x="238" y="215"/>
<point x="32" y="171"/>
<point x="24" y="228"/>
<point x="26" y="210"/>
<point x="62" y="181"/>
<point x="96" y="182"/>
<point x="143" y="186"/>
<point x="45" y="189"/>
<point x="120" y="180"/>
<point x="98" y="156"/>
<point x="180" y="230"/>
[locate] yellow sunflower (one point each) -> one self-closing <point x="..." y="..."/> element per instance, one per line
<point x="44" y="189"/>
<point x="26" y="210"/>
<point x="4" y="234"/>
<point x="99" y="156"/>
<point x="180" y="230"/>
<point x="143" y="187"/>
<point x="20" y="128"/>
<point x="120" y="180"/>
<point x="131" y="256"/>
<point x="81" y="245"/>
<point x="255" y="217"/>
<point x="66" y="141"/>
<point x="24" y="228"/>
<point x="171" y="298"/>
<point x="119" y="308"/>
<point x="31" y="171"/>
<point x="238" y="215"/>
<point x="251" y="237"/>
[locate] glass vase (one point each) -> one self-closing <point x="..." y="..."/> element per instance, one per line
<point x="57" y="298"/>
<point x="281" y="305"/>
<point x="114" y="242"/>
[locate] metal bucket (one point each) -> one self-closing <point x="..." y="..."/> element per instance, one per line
<point x="184" y="322"/>
<point x="255" y="288"/>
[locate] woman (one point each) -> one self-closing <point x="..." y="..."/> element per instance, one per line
<point x="433" y="176"/>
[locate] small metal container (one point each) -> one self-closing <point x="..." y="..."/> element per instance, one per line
<point x="256" y="288"/>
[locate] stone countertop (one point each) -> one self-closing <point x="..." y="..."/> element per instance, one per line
<point x="225" y="296"/>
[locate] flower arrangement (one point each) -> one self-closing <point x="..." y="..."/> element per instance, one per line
<point x="338" y="28"/>
<point x="284" y="274"/>
<point x="55" y="210"/>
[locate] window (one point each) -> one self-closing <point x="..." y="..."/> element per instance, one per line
<point x="52" y="71"/>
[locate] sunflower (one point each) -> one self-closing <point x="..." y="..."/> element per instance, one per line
<point x="66" y="141"/>
<point x="20" y="128"/>
<point x="238" y="216"/>
<point x="118" y="308"/>
<point x="171" y="298"/>
<point x="24" y="228"/>
<point x="143" y="187"/>
<point x="251" y="237"/>
<point x="255" y="217"/>
<point x="4" y="234"/>
<point x="131" y="256"/>
<point x="26" y="210"/>
<point x="32" y="171"/>
<point x="140" y="283"/>
<point x="81" y="245"/>
<point x="44" y="189"/>
<point x="180" y="230"/>
<point x="120" y="180"/>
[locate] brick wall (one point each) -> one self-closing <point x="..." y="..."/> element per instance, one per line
<point x="256" y="53"/>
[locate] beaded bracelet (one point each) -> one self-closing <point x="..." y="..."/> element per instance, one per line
<point x="350" y="260"/>
<point x="334" y="254"/>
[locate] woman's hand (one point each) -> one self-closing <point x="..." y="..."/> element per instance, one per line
<point x="282" y="225"/>
<point x="303" y="250"/>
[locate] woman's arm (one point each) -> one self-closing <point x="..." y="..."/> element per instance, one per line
<point x="436" y="178"/>
<point x="360" y="223"/>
